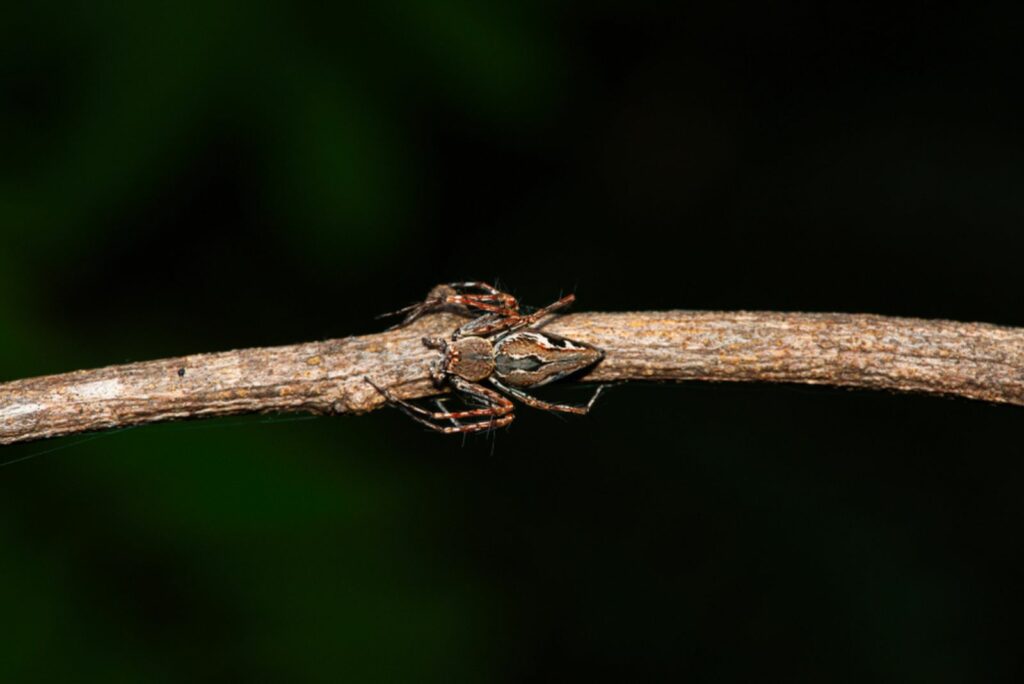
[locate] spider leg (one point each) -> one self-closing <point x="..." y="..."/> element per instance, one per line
<point x="502" y="409"/>
<point x="546" y="311"/>
<point x="483" y="394"/>
<point x="520" y="322"/>
<point x="533" y="401"/>
<point x="495" y="404"/>
<point x="491" y="303"/>
<point x="439" y="403"/>
<point x="462" y="428"/>
<point x="479" y="426"/>
<point x="488" y="299"/>
<point x="478" y="285"/>
<point x="509" y="322"/>
<point x="496" y="413"/>
<point x="485" y="325"/>
<point x="509" y="304"/>
<point x="488" y="325"/>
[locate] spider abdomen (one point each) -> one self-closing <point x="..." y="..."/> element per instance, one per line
<point x="531" y="358"/>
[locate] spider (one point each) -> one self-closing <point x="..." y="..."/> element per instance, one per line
<point x="501" y="348"/>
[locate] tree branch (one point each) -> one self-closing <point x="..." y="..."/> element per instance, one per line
<point x="973" y="360"/>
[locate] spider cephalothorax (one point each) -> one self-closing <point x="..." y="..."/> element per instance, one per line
<point x="500" y="348"/>
<point x="470" y="358"/>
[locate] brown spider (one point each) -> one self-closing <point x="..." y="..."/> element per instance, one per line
<point x="500" y="348"/>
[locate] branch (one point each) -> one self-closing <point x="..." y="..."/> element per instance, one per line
<point x="973" y="360"/>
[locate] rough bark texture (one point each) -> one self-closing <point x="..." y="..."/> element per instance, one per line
<point x="973" y="360"/>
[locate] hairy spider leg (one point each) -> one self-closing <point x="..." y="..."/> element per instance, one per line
<point x="482" y="325"/>
<point x="478" y="285"/>
<point x="533" y="401"/>
<point x="491" y="300"/>
<point x="491" y="303"/>
<point x="510" y="324"/>
<point x="495" y="403"/>
<point x="490" y="292"/>
<point x="439" y="403"/>
<point x="499" y="409"/>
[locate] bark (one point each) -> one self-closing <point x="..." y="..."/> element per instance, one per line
<point x="972" y="360"/>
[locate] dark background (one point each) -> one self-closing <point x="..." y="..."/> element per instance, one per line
<point x="207" y="176"/>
